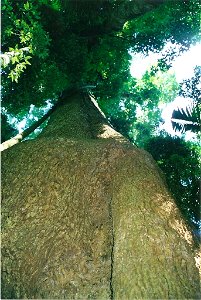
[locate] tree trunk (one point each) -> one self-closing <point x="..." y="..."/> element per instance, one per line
<point x="86" y="215"/>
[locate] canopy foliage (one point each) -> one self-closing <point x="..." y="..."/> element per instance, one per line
<point x="87" y="43"/>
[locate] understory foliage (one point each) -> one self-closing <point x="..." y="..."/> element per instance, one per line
<point x="179" y="160"/>
<point x="51" y="45"/>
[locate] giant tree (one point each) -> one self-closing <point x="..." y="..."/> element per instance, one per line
<point x="85" y="214"/>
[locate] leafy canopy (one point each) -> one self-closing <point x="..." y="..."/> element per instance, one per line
<point x="49" y="46"/>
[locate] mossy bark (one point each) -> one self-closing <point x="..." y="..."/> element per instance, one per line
<point x="86" y="215"/>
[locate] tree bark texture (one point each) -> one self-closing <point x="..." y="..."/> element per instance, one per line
<point x="118" y="14"/>
<point x="86" y="215"/>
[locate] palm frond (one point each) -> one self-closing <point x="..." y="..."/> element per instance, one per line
<point x="187" y="118"/>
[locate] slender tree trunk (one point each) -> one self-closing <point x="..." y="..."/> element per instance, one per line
<point x="21" y="136"/>
<point x="86" y="215"/>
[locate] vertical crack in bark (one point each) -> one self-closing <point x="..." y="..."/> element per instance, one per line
<point x="112" y="250"/>
<point x="168" y="288"/>
<point x="95" y="122"/>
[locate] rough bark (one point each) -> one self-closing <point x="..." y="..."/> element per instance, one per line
<point x="86" y="215"/>
<point x="119" y="13"/>
<point x="129" y="10"/>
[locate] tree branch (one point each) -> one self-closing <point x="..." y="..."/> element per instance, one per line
<point x="120" y="13"/>
<point x="21" y="136"/>
<point x="129" y="10"/>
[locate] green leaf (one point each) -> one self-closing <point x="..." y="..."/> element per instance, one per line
<point x="26" y="6"/>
